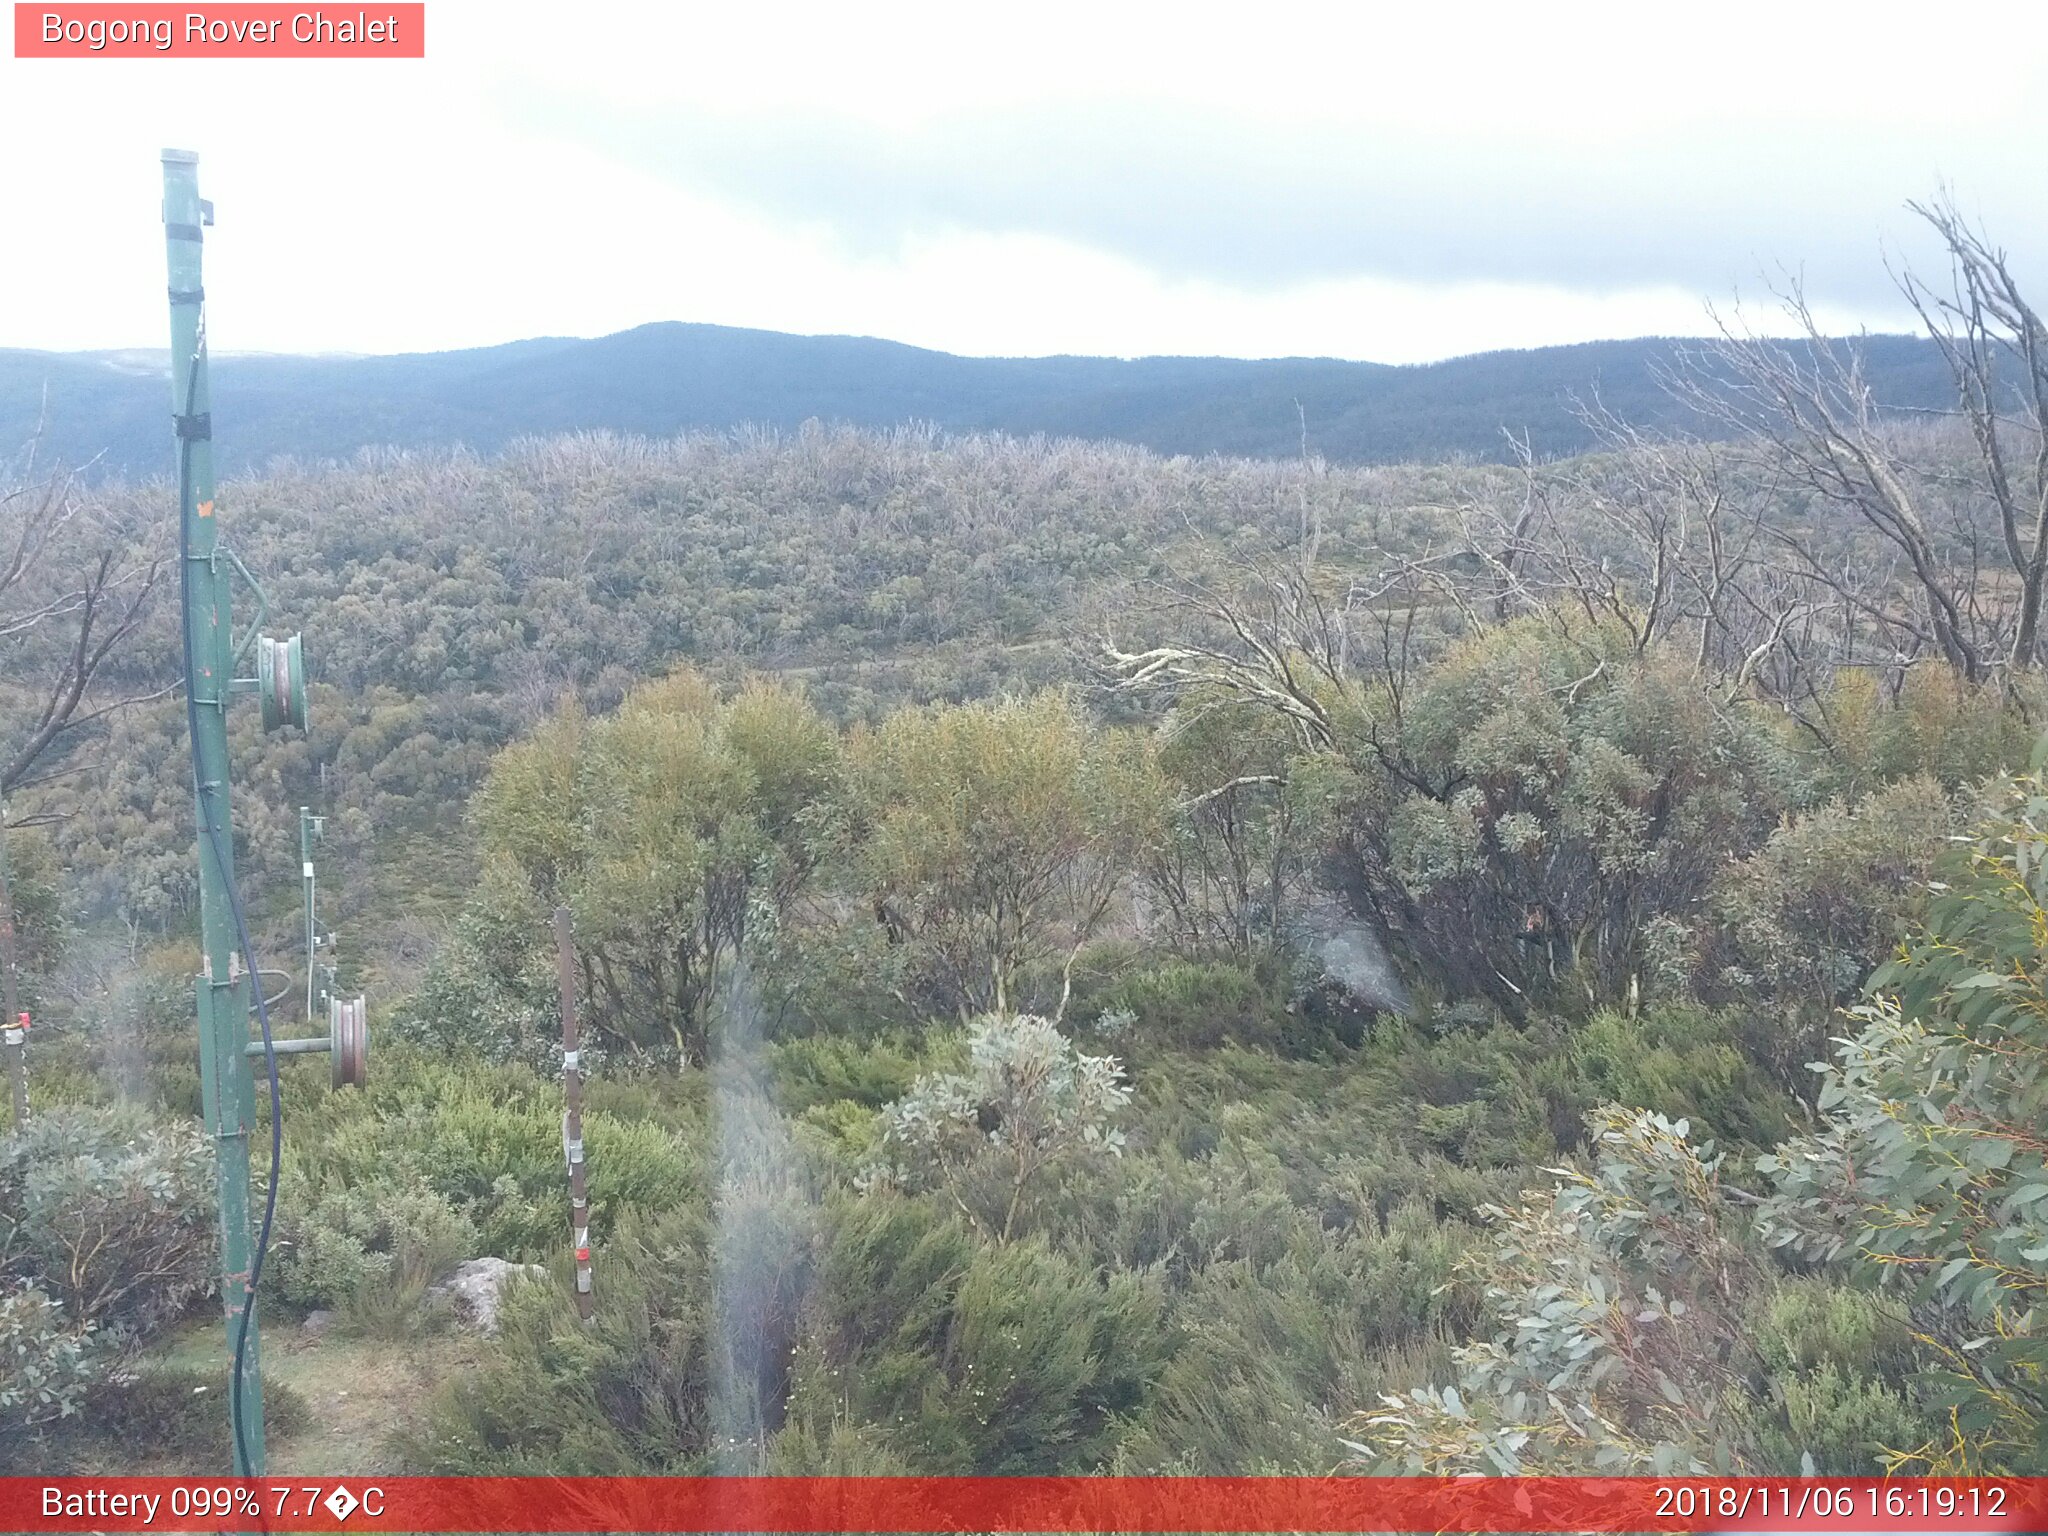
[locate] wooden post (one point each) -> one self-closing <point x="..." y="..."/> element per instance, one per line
<point x="12" y="1034"/>
<point x="572" y="1120"/>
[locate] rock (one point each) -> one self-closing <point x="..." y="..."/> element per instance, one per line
<point x="476" y="1285"/>
<point x="317" y="1322"/>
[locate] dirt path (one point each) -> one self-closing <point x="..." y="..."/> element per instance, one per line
<point x="360" y="1394"/>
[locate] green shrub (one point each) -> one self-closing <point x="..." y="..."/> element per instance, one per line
<point x="1483" y="1098"/>
<point x="62" y="1075"/>
<point x="1835" y="1420"/>
<point x="1830" y="894"/>
<point x="841" y="1133"/>
<point x="47" y="1365"/>
<point x="487" y="1139"/>
<point x="1684" y="1061"/>
<point x="1938" y="727"/>
<point x="685" y="1367"/>
<point x="630" y="1392"/>
<point x="662" y="1097"/>
<point x="141" y="1044"/>
<point x="1177" y="1213"/>
<point x="1925" y="1173"/>
<point x="1548" y="772"/>
<point x="837" y="1448"/>
<point x="830" y="1069"/>
<point x="1618" y="1299"/>
<point x="1267" y="1354"/>
<point x="41" y="925"/>
<point x="1197" y="1005"/>
<point x="111" y="1212"/>
<point x="371" y="1248"/>
<point x="992" y="839"/>
<point x="1809" y="1323"/>
<point x="842" y="978"/>
<point x="971" y="1359"/>
<point x="763" y="1246"/>
<point x="1836" y="1392"/>
<point x="490" y="991"/>
<point x="679" y="827"/>
<point x="869" y="1333"/>
<point x="106" y="1233"/>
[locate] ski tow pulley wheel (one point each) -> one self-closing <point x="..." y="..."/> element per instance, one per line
<point x="281" y="682"/>
<point x="348" y="1038"/>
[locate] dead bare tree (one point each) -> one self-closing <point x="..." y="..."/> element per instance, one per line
<point x="1806" y="406"/>
<point x="74" y="588"/>
<point x="1674" y="539"/>
<point x="70" y="594"/>
<point x="1983" y="324"/>
<point x="1280" y="643"/>
<point x="1809" y="409"/>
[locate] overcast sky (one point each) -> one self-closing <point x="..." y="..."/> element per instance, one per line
<point x="1389" y="182"/>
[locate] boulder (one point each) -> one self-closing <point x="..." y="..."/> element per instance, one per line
<point x="476" y="1286"/>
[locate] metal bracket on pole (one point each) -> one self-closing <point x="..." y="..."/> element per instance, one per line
<point x="262" y="603"/>
<point x="347" y="1044"/>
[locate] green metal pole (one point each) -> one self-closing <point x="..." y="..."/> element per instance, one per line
<point x="227" y="1084"/>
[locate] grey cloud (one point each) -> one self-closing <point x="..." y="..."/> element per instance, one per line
<point x="1203" y="196"/>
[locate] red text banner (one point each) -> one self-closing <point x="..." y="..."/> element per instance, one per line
<point x="223" y="31"/>
<point x="1023" y="1504"/>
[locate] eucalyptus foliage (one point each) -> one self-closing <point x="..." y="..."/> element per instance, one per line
<point x="111" y="1212"/>
<point x="673" y="828"/>
<point x="106" y="1236"/>
<point x="1930" y="1170"/>
<point x="993" y="840"/>
<point x="1028" y="1102"/>
<point x="47" y="1366"/>
<point x="1612" y="1297"/>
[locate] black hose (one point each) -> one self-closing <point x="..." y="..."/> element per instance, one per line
<point x="221" y="855"/>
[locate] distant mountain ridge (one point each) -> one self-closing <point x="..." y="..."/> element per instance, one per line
<point x="658" y="379"/>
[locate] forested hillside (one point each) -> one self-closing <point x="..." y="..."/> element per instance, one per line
<point x="660" y="379"/>
<point x="1090" y="961"/>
